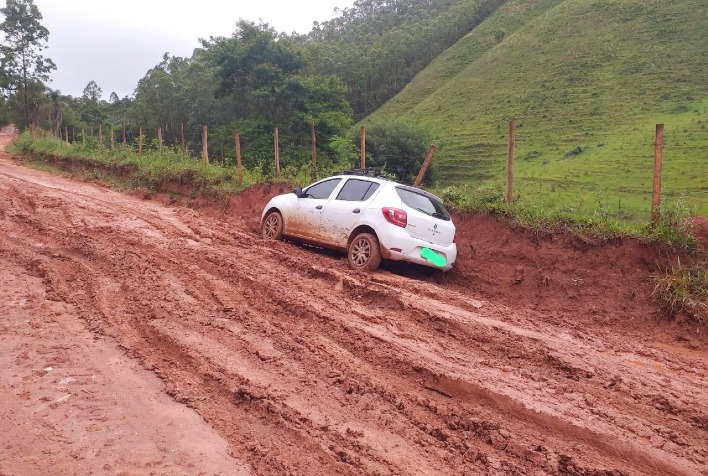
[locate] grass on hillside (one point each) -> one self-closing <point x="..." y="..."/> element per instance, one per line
<point x="587" y="82"/>
<point x="673" y="228"/>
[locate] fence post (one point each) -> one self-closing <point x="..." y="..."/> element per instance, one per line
<point x="510" y="163"/>
<point x="237" y="139"/>
<point x="425" y="165"/>
<point x="314" y="152"/>
<point x="277" y="152"/>
<point x="66" y="134"/>
<point x="125" y="138"/>
<point x="205" y="146"/>
<point x="658" y="157"/>
<point x="184" y="150"/>
<point x="140" y="141"/>
<point x="362" y="143"/>
<point x="113" y="139"/>
<point x="83" y="136"/>
<point x="159" y="139"/>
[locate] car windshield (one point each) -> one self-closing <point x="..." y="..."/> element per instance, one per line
<point x="423" y="203"/>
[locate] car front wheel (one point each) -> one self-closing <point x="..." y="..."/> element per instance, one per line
<point x="364" y="252"/>
<point x="272" y="228"/>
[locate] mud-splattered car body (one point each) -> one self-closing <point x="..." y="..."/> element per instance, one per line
<point x="369" y="217"/>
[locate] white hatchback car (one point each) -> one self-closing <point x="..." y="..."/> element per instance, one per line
<point x="369" y="217"/>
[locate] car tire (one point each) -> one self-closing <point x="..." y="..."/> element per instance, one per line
<point x="364" y="252"/>
<point x="272" y="228"/>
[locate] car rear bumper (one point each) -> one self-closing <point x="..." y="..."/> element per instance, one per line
<point x="411" y="248"/>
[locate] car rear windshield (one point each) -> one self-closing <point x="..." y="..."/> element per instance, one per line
<point x="423" y="203"/>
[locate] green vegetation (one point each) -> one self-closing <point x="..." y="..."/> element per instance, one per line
<point x="674" y="227"/>
<point x="684" y="290"/>
<point x="398" y="149"/>
<point x="167" y="171"/>
<point x="587" y="81"/>
<point x="377" y="46"/>
<point x="23" y="67"/>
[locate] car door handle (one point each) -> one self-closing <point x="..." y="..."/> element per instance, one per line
<point x="356" y="210"/>
<point x="319" y="207"/>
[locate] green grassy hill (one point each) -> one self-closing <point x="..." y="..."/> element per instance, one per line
<point x="586" y="80"/>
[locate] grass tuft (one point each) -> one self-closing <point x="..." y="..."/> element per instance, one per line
<point x="684" y="290"/>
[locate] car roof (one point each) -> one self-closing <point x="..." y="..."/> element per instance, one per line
<point x="382" y="179"/>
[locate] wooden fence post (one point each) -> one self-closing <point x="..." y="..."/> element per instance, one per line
<point x="125" y="138"/>
<point x="314" y="152"/>
<point x="140" y="141"/>
<point x="237" y="139"/>
<point x="159" y="139"/>
<point x="277" y="152"/>
<point x="66" y="134"/>
<point x="113" y="139"/>
<point x="184" y="149"/>
<point x="205" y="146"/>
<point x="510" y="163"/>
<point x="83" y="136"/>
<point x="362" y="143"/>
<point x="426" y="163"/>
<point x="658" y="157"/>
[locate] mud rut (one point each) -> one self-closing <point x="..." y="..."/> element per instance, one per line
<point x="308" y="368"/>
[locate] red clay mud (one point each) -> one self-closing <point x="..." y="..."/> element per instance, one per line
<point x="537" y="355"/>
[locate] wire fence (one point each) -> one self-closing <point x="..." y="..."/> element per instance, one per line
<point x="610" y="173"/>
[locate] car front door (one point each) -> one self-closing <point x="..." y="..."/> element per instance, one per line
<point x="341" y="214"/>
<point x="303" y="221"/>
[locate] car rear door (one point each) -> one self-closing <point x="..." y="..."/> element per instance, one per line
<point x="427" y="218"/>
<point x="341" y="214"/>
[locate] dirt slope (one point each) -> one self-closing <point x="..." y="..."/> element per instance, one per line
<point x="304" y="367"/>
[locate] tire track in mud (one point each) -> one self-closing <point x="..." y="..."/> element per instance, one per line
<point x="308" y="368"/>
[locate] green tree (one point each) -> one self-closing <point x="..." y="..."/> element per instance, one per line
<point x="91" y="104"/>
<point x="269" y="84"/>
<point x="258" y="67"/>
<point x="21" y="59"/>
<point x="54" y="109"/>
<point x="399" y="149"/>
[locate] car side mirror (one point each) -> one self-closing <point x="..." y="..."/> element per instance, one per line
<point x="298" y="191"/>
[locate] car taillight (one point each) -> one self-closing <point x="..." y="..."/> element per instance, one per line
<point x="395" y="216"/>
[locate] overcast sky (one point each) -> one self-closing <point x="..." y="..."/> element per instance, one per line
<point x="115" y="42"/>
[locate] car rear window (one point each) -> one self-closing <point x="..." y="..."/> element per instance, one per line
<point x="356" y="190"/>
<point x="423" y="203"/>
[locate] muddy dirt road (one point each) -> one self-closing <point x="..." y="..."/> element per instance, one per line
<point x="296" y="365"/>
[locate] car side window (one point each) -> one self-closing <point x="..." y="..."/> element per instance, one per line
<point x="322" y="190"/>
<point x="356" y="190"/>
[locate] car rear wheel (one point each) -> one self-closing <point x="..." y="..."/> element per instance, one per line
<point x="272" y="228"/>
<point x="364" y="252"/>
